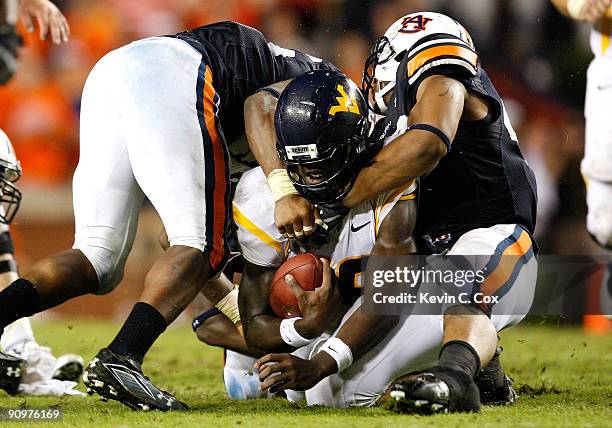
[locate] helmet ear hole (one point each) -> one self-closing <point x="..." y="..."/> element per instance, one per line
<point x="400" y="56"/>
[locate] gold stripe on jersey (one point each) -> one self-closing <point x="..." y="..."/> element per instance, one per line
<point x="389" y="199"/>
<point x="246" y="223"/>
<point x="606" y="30"/>
<point x="441" y="51"/>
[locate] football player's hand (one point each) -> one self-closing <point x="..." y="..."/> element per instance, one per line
<point x="285" y="371"/>
<point x="294" y="216"/>
<point x="318" y="307"/>
<point x="591" y="11"/>
<point x="48" y="17"/>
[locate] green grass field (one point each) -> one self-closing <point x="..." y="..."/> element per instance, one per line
<point x="564" y="376"/>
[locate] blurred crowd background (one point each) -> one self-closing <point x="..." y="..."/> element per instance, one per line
<point x="537" y="59"/>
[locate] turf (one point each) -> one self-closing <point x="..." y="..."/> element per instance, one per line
<point x="564" y="376"/>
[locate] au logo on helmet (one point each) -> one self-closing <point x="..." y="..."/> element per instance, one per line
<point x="345" y="103"/>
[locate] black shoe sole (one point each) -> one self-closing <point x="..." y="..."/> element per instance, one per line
<point x="112" y="390"/>
<point x="398" y="403"/>
<point x="107" y="387"/>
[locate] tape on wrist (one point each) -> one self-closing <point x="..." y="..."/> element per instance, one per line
<point x="574" y="8"/>
<point x="290" y="335"/>
<point x="339" y="351"/>
<point x="281" y="184"/>
<point x="229" y="306"/>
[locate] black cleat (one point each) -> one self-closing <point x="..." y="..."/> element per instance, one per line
<point x="503" y="395"/>
<point x="438" y="391"/>
<point x="118" y="377"/>
<point x="424" y="395"/>
<point x="12" y="370"/>
<point x="496" y="388"/>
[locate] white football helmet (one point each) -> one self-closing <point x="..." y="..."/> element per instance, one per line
<point x="411" y="35"/>
<point x="10" y="171"/>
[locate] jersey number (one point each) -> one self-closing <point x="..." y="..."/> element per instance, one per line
<point x="414" y="24"/>
<point x="349" y="278"/>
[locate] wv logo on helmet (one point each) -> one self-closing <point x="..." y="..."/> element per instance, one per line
<point x="345" y="103"/>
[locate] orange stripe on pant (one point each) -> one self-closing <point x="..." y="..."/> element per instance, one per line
<point x="510" y="257"/>
<point x="220" y="209"/>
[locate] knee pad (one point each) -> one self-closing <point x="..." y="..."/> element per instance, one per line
<point x="241" y="383"/>
<point x="108" y="261"/>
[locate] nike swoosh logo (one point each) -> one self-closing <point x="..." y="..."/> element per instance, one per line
<point x="358" y="228"/>
<point x="602" y="87"/>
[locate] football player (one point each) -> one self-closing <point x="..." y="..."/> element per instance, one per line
<point x="155" y="116"/>
<point x="25" y="366"/>
<point x="449" y="127"/>
<point x="328" y="114"/>
<point x="597" y="163"/>
<point x="36" y="368"/>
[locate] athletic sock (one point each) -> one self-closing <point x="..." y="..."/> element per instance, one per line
<point x="457" y="366"/>
<point x="18" y="300"/>
<point x="459" y="355"/>
<point x="139" y="332"/>
<point x="16" y="335"/>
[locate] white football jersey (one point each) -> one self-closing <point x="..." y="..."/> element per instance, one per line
<point x="262" y="244"/>
<point x="601" y="35"/>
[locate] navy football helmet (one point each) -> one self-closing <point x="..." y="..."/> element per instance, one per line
<point x="321" y="125"/>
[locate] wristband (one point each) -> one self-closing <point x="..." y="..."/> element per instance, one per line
<point x="229" y="306"/>
<point x="574" y="8"/>
<point x="280" y="184"/>
<point x="339" y="351"/>
<point x="200" y="319"/>
<point x="290" y="335"/>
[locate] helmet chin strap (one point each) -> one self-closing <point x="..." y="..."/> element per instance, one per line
<point x="379" y="97"/>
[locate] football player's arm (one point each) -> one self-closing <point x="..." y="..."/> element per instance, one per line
<point x="259" y="111"/>
<point x="361" y="332"/>
<point x="582" y="10"/>
<point x="290" y="208"/>
<point x="439" y="103"/>
<point x="260" y="325"/>
<point x="218" y="329"/>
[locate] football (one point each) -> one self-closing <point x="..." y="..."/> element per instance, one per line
<point x="307" y="269"/>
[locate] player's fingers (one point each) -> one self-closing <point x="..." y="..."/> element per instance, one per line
<point x="326" y="282"/>
<point x="55" y="30"/>
<point x="270" y="370"/>
<point x="268" y="358"/>
<point x="308" y="223"/>
<point x="295" y="286"/>
<point x="43" y="25"/>
<point x="26" y="18"/>
<point x="282" y="231"/>
<point x="65" y="29"/>
<point x="275" y="382"/>
<point x="298" y="228"/>
<point x="289" y="230"/>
